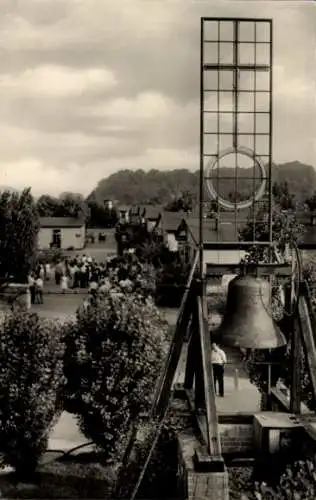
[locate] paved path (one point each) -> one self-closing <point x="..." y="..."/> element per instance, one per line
<point x="240" y="395"/>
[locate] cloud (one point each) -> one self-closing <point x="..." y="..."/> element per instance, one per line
<point x="57" y="81"/>
<point x="292" y="86"/>
<point x="87" y="88"/>
<point x="145" y="106"/>
<point x="46" y="177"/>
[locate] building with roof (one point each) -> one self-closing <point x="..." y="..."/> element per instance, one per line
<point x="61" y="232"/>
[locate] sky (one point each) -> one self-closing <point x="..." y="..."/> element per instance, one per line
<point x="89" y="87"/>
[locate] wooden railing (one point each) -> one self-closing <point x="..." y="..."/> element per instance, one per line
<point x="213" y="438"/>
<point x="307" y="326"/>
<point x="165" y="382"/>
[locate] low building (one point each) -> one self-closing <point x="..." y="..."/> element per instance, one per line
<point x="61" y="232"/>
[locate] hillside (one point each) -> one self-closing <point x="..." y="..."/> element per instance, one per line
<point x="155" y="187"/>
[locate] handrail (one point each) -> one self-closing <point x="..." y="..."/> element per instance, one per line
<point x="307" y="293"/>
<point x="307" y="329"/>
<point x="213" y="438"/>
<point x="165" y="381"/>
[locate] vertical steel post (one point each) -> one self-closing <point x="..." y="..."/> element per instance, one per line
<point x="201" y="194"/>
<point x="270" y="132"/>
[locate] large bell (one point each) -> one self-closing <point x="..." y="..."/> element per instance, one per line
<point x="247" y="322"/>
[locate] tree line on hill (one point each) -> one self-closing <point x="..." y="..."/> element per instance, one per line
<point x="164" y="187"/>
<point x="175" y="190"/>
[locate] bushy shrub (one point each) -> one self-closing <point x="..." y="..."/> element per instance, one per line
<point x="130" y="274"/>
<point x="171" y="282"/>
<point x="297" y="482"/>
<point x="31" y="374"/>
<point x="114" y="353"/>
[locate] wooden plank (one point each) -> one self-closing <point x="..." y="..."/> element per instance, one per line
<point x="213" y="440"/>
<point x="218" y="270"/>
<point x="190" y="362"/>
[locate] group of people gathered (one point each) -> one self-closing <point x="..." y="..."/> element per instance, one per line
<point x="84" y="272"/>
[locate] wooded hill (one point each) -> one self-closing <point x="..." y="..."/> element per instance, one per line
<point x="160" y="187"/>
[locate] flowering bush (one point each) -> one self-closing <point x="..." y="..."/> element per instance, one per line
<point x="114" y="353"/>
<point x="297" y="482"/>
<point x="31" y="375"/>
<point x="129" y="274"/>
<point x="171" y="282"/>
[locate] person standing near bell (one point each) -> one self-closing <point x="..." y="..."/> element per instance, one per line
<point x="218" y="358"/>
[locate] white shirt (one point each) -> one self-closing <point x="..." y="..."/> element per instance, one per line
<point x="93" y="285"/>
<point x="64" y="282"/>
<point x="218" y="357"/>
<point x="39" y="283"/>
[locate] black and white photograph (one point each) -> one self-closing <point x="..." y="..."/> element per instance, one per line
<point x="158" y="249"/>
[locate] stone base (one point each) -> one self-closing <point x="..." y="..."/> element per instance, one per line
<point x="208" y="486"/>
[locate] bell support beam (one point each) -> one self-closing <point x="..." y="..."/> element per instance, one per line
<point x="235" y="245"/>
<point x="216" y="271"/>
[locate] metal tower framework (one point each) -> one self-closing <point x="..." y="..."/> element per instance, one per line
<point x="236" y="124"/>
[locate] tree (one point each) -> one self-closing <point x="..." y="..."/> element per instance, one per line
<point x="285" y="230"/>
<point x="311" y="204"/>
<point x="19" y="226"/>
<point x="282" y="196"/>
<point x="48" y="206"/>
<point x="161" y="187"/>
<point x="73" y="205"/>
<point x="31" y="376"/>
<point x="114" y="354"/>
<point x="101" y="216"/>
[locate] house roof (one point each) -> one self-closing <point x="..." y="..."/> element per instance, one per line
<point x="58" y="222"/>
<point x="171" y="220"/>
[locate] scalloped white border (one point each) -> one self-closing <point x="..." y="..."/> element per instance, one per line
<point x="242" y="204"/>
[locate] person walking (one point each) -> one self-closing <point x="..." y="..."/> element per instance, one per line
<point x="31" y="283"/>
<point x="39" y="284"/>
<point x="218" y="358"/>
<point x="64" y="283"/>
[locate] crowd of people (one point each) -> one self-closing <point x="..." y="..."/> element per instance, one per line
<point x="84" y="272"/>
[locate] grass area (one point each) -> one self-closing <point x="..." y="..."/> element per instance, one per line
<point x="82" y="476"/>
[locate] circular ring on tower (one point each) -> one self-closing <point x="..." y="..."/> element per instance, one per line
<point x="241" y="204"/>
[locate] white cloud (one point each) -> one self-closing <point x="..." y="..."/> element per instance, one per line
<point x="292" y="86"/>
<point x="45" y="177"/>
<point x="57" y="81"/>
<point x="145" y="106"/>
